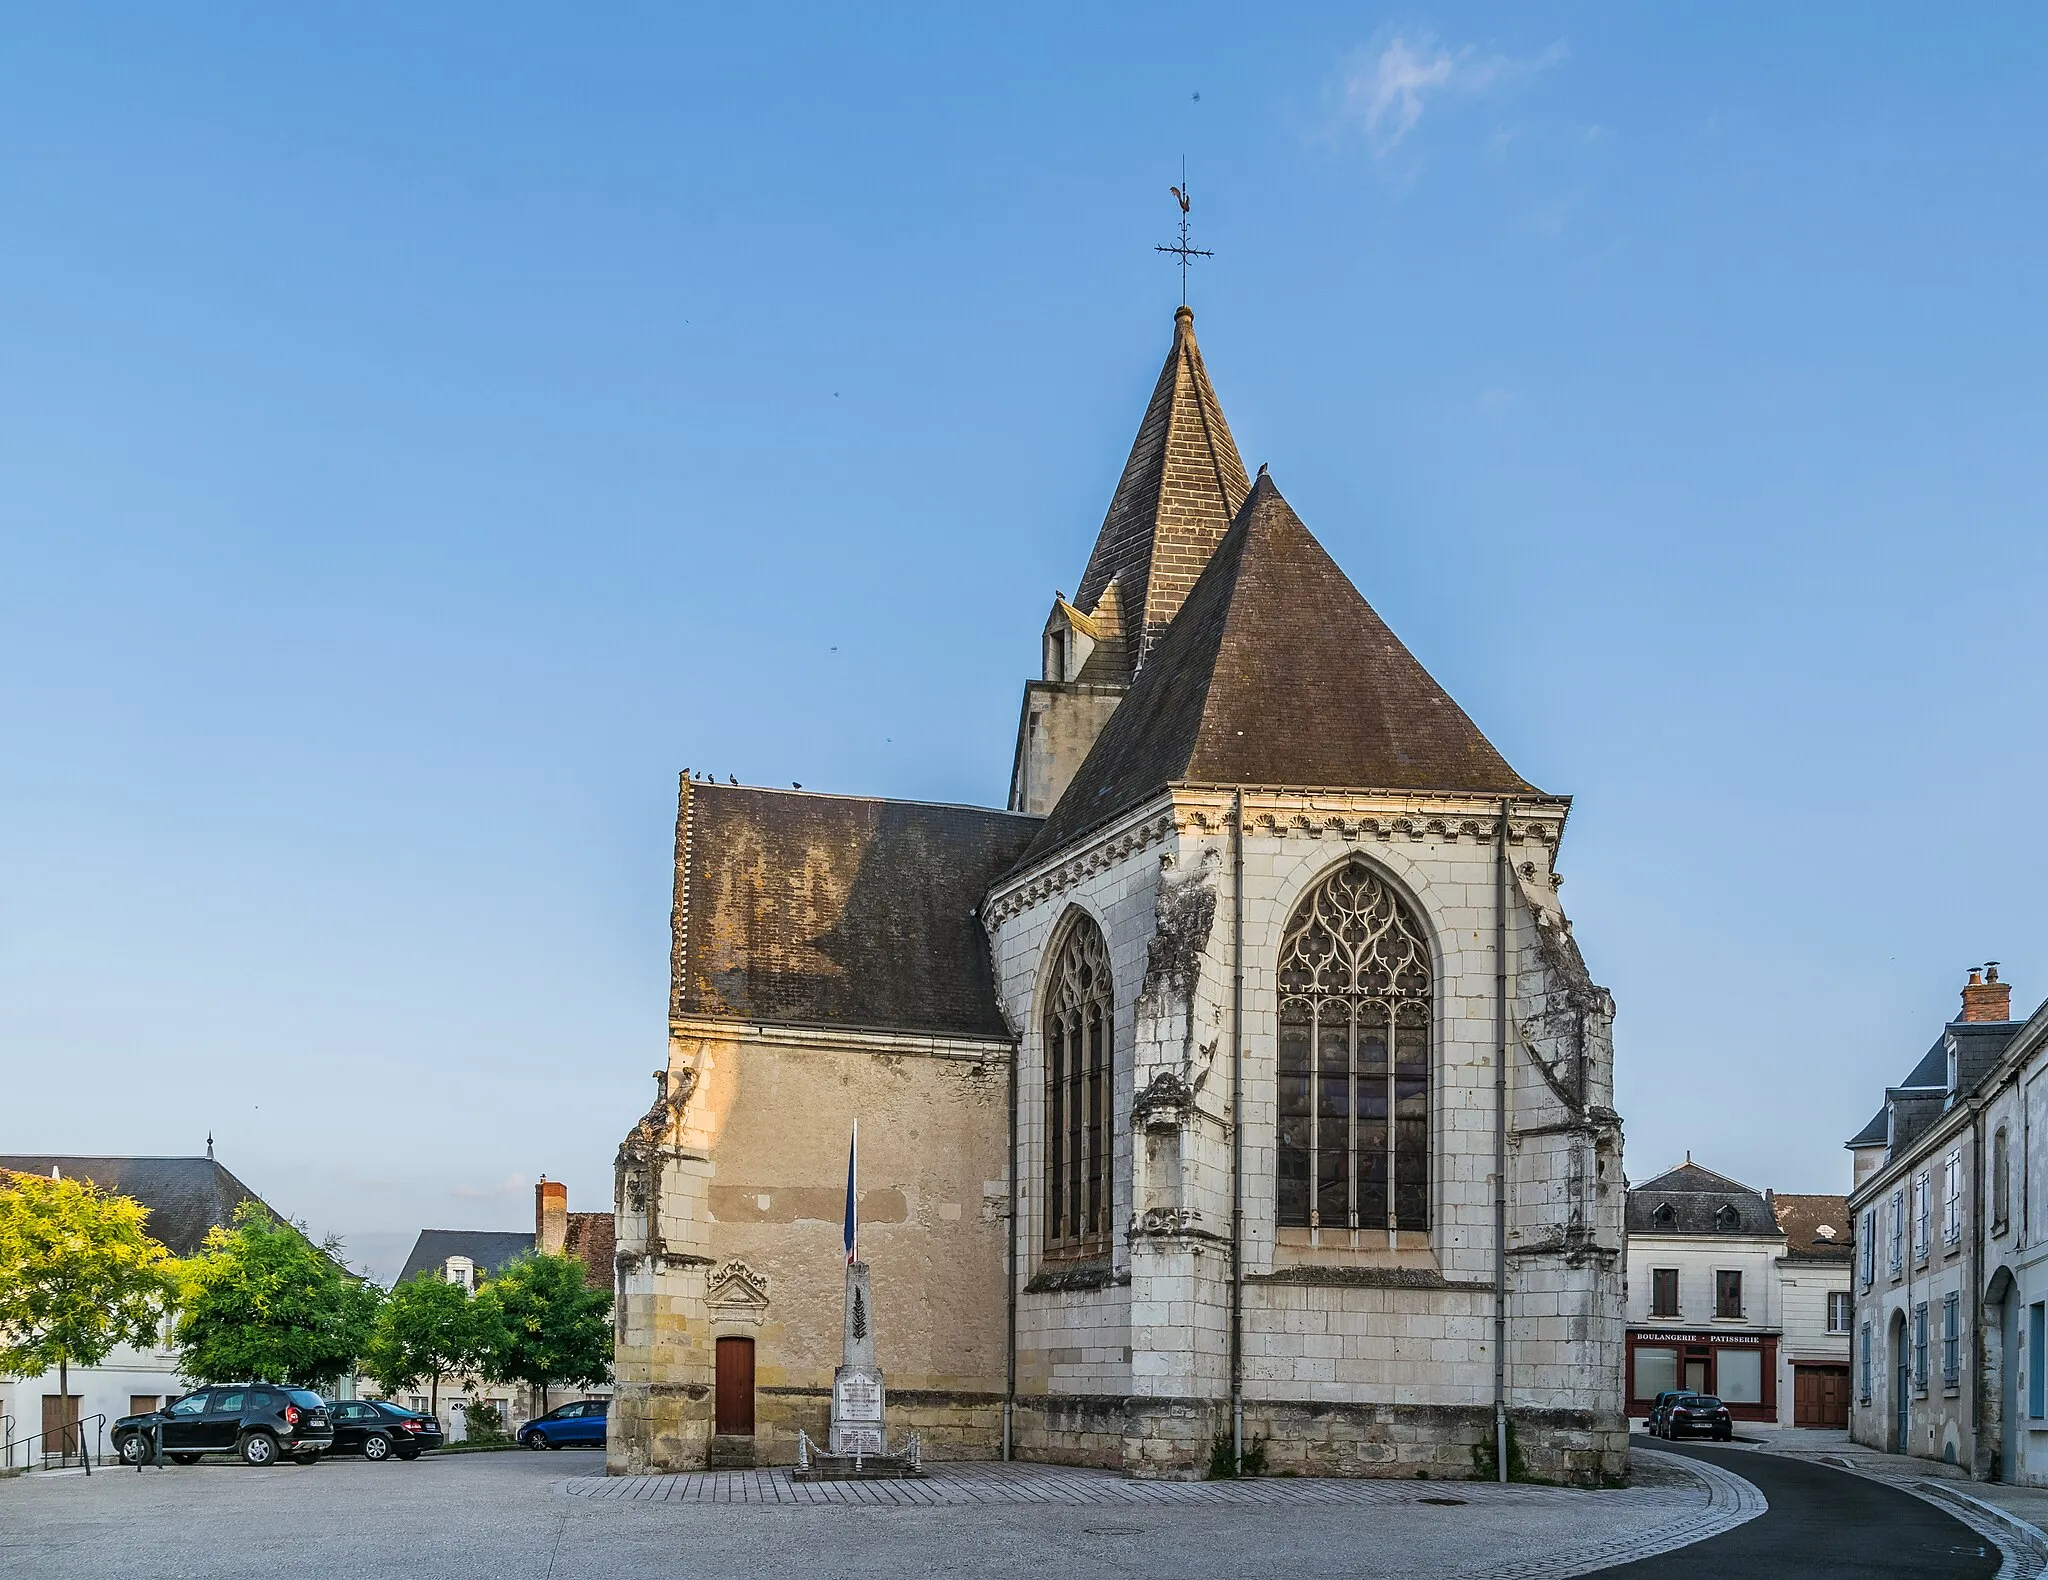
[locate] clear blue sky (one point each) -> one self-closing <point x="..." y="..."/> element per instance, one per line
<point x="425" y="430"/>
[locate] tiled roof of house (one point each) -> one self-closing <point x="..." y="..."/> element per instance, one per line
<point x="1802" y="1218"/>
<point x="1276" y="672"/>
<point x="186" y="1197"/>
<point x="488" y="1249"/>
<point x="806" y="909"/>
<point x="1179" y="490"/>
<point x="1694" y="1200"/>
<point x="592" y="1239"/>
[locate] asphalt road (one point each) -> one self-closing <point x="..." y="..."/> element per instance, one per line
<point x="1822" y="1523"/>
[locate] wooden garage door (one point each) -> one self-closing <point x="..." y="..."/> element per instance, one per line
<point x="1820" y="1396"/>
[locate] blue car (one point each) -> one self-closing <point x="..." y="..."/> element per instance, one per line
<point x="579" y="1425"/>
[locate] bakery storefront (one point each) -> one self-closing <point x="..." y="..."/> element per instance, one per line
<point x="1741" y="1368"/>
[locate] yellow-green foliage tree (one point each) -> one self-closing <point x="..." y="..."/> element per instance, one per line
<point x="263" y="1301"/>
<point x="544" y="1324"/>
<point x="78" y="1275"/>
<point x="427" y="1328"/>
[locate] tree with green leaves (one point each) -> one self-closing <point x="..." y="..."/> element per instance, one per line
<point x="78" y="1275"/>
<point x="428" y="1327"/>
<point x="261" y="1300"/>
<point x="547" y="1325"/>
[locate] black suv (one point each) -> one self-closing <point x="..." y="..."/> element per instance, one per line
<point x="262" y="1422"/>
<point x="378" y="1429"/>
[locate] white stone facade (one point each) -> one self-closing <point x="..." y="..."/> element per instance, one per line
<point x="1377" y="1321"/>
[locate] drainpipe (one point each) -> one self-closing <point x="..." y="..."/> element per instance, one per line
<point x="1237" y="1129"/>
<point x="1973" y="1226"/>
<point x="1010" y="1316"/>
<point x="1500" y="1145"/>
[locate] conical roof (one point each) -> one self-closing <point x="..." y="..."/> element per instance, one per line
<point x="1276" y="672"/>
<point x="1179" y="490"/>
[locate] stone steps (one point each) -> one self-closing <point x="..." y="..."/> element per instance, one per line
<point x="730" y="1452"/>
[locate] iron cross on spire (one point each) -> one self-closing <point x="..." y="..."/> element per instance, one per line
<point x="1183" y="250"/>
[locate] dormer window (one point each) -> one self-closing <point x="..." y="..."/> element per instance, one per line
<point x="1726" y="1218"/>
<point x="461" y="1270"/>
<point x="1666" y="1216"/>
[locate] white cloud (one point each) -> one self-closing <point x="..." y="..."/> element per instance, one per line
<point x="1387" y="92"/>
<point x="514" y="1184"/>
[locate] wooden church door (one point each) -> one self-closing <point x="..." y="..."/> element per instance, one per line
<point x="735" y="1388"/>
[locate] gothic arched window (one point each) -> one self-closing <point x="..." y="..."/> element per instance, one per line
<point x="1354" y="1059"/>
<point x="1079" y="1088"/>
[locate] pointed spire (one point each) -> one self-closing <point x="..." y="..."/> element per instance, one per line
<point x="1278" y="673"/>
<point x="1179" y="491"/>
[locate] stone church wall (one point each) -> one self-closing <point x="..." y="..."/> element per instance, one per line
<point x="748" y="1188"/>
<point x="1363" y="1358"/>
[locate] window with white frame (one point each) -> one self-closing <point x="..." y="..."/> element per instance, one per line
<point x="1841" y="1310"/>
<point x="1863" y="1384"/>
<point x="1923" y="1218"/>
<point x="1952" y="1197"/>
<point x="1951" y="1339"/>
<point x="1867" y="1255"/>
<point x="1898" y="1235"/>
<point x="1920" y="1346"/>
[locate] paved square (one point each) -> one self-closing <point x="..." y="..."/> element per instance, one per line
<point x="557" y="1517"/>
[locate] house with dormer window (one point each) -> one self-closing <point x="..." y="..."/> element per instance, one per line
<point x="1740" y="1293"/>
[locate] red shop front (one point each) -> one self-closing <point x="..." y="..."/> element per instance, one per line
<point x="1740" y="1367"/>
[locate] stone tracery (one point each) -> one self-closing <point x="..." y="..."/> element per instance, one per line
<point x="1354" y="1059"/>
<point x="1079" y="1074"/>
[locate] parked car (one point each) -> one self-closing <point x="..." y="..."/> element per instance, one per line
<point x="263" y="1422"/>
<point x="378" y="1429"/>
<point x="1699" y="1415"/>
<point x="1661" y="1407"/>
<point x="567" y="1425"/>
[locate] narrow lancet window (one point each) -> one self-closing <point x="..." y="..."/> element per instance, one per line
<point x="1354" y="1060"/>
<point x="1079" y="1083"/>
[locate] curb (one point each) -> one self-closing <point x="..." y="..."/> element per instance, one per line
<point x="1731" y="1501"/>
<point x="2024" y="1545"/>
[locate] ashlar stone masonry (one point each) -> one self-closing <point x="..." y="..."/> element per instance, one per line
<point x="1181" y="1082"/>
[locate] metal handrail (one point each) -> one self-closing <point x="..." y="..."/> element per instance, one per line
<point x="76" y="1428"/>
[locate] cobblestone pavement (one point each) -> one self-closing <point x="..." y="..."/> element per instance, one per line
<point x="1681" y="1502"/>
<point x="555" y="1517"/>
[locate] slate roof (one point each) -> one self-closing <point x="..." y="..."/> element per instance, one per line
<point x="1979" y="1046"/>
<point x="804" y="909"/>
<point x="1802" y="1218"/>
<point x="1276" y="672"/>
<point x="1180" y="488"/>
<point x="1696" y="1197"/>
<point x="185" y="1196"/>
<point x="591" y="1239"/>
<point x="489" y="1249"/>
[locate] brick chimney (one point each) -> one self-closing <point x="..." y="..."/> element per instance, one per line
<point x="550" y="1216"/>
<point x="1985" y="997"/>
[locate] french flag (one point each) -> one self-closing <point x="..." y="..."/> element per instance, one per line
<point x="852" y="1168"/>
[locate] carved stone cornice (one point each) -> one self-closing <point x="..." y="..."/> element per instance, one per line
<point x="1062" y="875"/>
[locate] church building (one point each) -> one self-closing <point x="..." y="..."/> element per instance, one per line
<point x="1239" y="1090"/>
